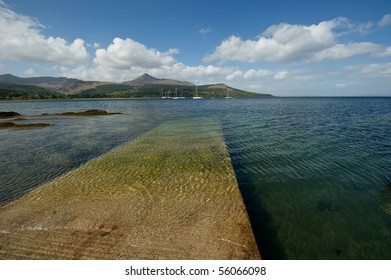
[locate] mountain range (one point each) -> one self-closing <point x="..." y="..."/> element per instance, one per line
<point x="145" y="86"/>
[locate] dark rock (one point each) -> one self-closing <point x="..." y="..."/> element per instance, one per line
<point x="5" y="125"/>
<point x="4" y="115"/>
<point x="88" y="113"/>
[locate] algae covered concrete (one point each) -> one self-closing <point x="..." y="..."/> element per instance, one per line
<point x="169" y="194"/>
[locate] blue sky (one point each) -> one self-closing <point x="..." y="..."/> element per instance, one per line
<point x="285" y="48"/>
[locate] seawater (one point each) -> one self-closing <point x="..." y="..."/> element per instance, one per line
<point x="315" y="173"/>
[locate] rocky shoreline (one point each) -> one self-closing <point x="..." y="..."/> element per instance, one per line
<point x="17" y="117"/>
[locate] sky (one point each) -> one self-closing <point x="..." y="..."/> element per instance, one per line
<point x="281" y="47"/>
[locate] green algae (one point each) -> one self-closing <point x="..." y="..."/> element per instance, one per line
<point x="169" y="194"/>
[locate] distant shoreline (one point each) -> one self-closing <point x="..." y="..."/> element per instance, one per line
<point x="129" y="98"/>
<point x="206" y="98"/>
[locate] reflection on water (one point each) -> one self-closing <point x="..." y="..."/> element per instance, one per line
<point x="312" y="171"/>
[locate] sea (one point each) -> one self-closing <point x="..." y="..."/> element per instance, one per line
<point x="314" y="173"/>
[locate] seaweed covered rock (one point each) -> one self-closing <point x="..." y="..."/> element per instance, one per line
<point x="4" y="115"/>
<point x="14" y="126"/>
<point x="93" y="112"/>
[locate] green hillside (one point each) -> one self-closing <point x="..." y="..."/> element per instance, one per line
<point x="26" y="92"/>
<point x="155" y="91"/>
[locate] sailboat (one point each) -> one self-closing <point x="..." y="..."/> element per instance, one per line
<point x="162" y="95"/>
<point x="182" y="97"/>
<point x="195" y="94"/>
<point x="176" y="97"/>
<point x="168" y="94"/>
<point x="227" y="96"/>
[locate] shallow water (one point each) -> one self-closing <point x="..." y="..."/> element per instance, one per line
<point x="148" y="198"/>
<point x="315" y="172"/>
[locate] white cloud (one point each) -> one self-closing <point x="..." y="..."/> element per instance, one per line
<point x="283" y="42"/>
<point x="205" y="30"/>
<point x="280" y="75"/>
<point x="125" y="54"/>
<point x="368" y="27"/>
<point x="235" y="75"/>
<point x="21" y="39"/>
<point x="386" y="52"/>
<point x="287" y="42"/>
<point x="30" y="72"/>
<point x="201" y="73"/>
<point x="376" y="70"/>
<point x="253" y="74"/>
<point x="386" y="20"/>
<point x="126" y="59"/>
<point x="341" y="51"/>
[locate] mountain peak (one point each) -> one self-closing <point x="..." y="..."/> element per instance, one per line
<point x="146" y="76"/>
<point x="146" y="79"/>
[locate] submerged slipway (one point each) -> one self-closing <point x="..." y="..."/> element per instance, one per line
<point x="169" y="194"/>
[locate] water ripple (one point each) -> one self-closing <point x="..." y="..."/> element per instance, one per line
<point x="314" y="172"/>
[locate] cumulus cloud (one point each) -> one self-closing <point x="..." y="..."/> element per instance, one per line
<point x="21" y="39"/>
<point x="341" y="51"/>
<point x="125" y="54"/>
<point x="175" y="71"/>
<point x="287" y="42"/>
<point x="254" y="74"/>
<point x="282" y="42"/>
<point x="126" y="59"/>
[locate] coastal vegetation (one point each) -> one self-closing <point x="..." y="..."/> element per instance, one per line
<point x="22" y="92"/>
